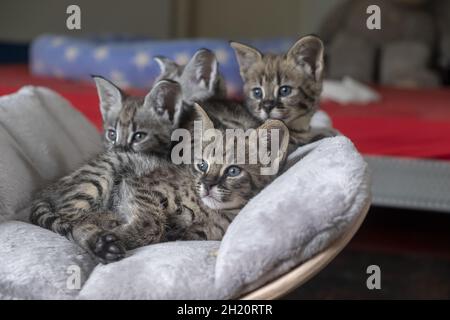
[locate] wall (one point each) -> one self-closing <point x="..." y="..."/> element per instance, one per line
<point x="22" y="20"/>
<point x="234" y="19"/>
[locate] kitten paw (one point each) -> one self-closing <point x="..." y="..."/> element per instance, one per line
<point x="108" y="248"/>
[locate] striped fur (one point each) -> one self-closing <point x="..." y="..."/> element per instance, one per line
<point x="128" y="117"/>
<point x="300" y="69"/>
<point x="216" y="186"/>
<point x="200" y="78"/>
<point x="202" y="83"/>
<point x="123" y="200"/>
<point x="139" y="124"/>
<point x="225" y="114"/>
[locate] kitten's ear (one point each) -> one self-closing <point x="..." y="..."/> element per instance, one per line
<point x="201" y="115"/>
<point x="200" y="133"/>
<point x="201" y="70"/>
<point x="165" y="100"/>
<point x="275" y="135"/>
<point x="169" y="69"/>
<point x="308" y="54"/>
<point x="246" y="56"/>
<point x="109" y="94"/>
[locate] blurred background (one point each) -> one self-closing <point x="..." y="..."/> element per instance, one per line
<point x="24" y="20"/>
<point x="386" y="89"/>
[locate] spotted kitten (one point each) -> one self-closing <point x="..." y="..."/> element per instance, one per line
<point x="129" y="126"/>
<point x="285" y="87"/>
<point x="139" y="124"/>
<point x="77" y="205"/>
<point x="200" y="78"/>
<point x="202" y="82"/>
<point x="122" y="200"/>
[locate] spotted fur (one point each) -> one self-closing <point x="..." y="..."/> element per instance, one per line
<point x="200" y="78"/>
<point x="139" y="124"/>
<point x="300" y="70"/>
<point x="202" y="82"/>
<point x="128" y="121"/>
<point x="123" y="200"/>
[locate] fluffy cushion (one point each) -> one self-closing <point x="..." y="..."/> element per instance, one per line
<point x="42" y="137"/>
<point x="294" y="218"/>
<point x="37" y="264"/>
<point x="173" y="270"/>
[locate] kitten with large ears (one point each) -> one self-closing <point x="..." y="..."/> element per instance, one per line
<point x="200" y="78"/>
<point x="285" y="87"/>
<point x="139" y="124"/>
<point x="122" y="200"/>
<point x="226" y="183"/>
<point x="202" y="83"/>
<point x="130" y="124"/>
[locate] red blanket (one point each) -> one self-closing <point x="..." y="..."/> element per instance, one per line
<point x="406" y="123"/>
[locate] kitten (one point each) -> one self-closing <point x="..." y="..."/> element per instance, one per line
<point x="285" y="87"/>
<point x="139" y="124"/>
<point x="200" y="78"/>
<point x="156" y="200"/>
<point x="202" y="82"/>
<point x="128" y="126"/>
<point x="72" y="206"/>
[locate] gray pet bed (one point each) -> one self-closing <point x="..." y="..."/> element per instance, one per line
<point x="285" y="234"/>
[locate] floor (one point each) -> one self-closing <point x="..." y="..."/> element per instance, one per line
<point x="412" y="249"/>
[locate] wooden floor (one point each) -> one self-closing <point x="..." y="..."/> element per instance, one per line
<point x="412" y="249"/>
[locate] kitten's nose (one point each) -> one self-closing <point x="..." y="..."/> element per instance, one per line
<point x="268" y="105"/>
<point x="207" y="187"/>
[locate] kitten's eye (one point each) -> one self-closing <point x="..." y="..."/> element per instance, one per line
<point x="233" y="171"/>
<point x="111" y="135"/>
<point x="284" y="91"/>
<point x="203" y="166"/>
<point x="139" y="136"/>
<point x="257" y="93"/>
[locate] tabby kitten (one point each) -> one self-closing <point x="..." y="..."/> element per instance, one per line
<point x="285" y="87"/>
<point x="200" y="78"/>
<point x="202" y="82"/>
<point x="139" y="124"/>
<point x="68" y="206"/>
<point x="155" y="200"/>
<point x="128" y="126"/>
